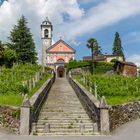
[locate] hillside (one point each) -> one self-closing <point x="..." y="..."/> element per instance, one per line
<point x="11" y="83"/>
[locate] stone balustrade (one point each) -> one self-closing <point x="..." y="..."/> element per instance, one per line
<point x="30" y="109"/>
<point x="97" y="111"/>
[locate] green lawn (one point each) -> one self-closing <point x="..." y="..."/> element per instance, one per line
<point x="116" y="89"/>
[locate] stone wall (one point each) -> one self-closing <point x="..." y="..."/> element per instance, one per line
<point x="9" y="117"/>
<point x="80" y="71"/>
<point x="121" y="114"/>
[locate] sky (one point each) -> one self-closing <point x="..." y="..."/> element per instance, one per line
<point x="77" y="21"/>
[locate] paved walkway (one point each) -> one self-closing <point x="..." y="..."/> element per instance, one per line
<point x="4" y="132"/>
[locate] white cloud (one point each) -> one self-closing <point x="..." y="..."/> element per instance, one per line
<point x="79" y="23"/>
<point x="103" y="15"/>
<point x="87" y="1"/>
<point x="135" y="59"/>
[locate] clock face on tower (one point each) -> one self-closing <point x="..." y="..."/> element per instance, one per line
<point x="46" y="43"/>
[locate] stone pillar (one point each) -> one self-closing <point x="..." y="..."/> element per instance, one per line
<point x="30" y="84"/>
<point x="36" y="77"/>
<point x="65" y="72"/>
<point x="82" y="128"/>
<point x="95" y="128"/>
<point x="104" y="117"/>
<point x="33" y="80"/>
<point x="90" y="87"/>
<point x="95" y="91"/>
<point x="25" y="117"/>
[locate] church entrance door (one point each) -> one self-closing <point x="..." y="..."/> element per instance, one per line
<point x="61" y="72"/>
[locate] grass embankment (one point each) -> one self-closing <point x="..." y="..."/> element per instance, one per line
<point x="11" y="83"/>
<point x="116" y="89"/>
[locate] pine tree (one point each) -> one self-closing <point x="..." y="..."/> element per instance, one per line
<point x="22" y="42"/>
<point x="117" y="49"/>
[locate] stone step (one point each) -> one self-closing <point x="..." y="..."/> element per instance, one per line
<point x="63" y="110"/>
<point x="68" y="130"/>
<point x="66" y="125"/>
<point x="62" y="114"/>
<point x="63" y="102"/>
<point x="62" y="117"/>
<point x="45" y="114"/>
<point x="63" y="96"/>
<point x="65" y="121"/>
<point x="67" y="134"/>
<point x="63" y="106"/>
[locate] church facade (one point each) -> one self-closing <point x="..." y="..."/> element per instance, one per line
<point x="55" y="55"/>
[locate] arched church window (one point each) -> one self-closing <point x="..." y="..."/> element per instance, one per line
<point x="60" y="61"/>
<point x="46" y="33"/>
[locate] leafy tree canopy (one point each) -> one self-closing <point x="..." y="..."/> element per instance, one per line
<point x="94" y="46"/>
<point x="9" y="57"/>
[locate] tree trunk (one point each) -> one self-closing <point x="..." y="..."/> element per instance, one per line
<point x="92" y="60"/>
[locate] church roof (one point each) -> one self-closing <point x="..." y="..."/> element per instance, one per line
<point x="61" y="41"/>
<point x="46" y="22"/>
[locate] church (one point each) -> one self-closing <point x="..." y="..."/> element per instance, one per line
<point x="55" y="55"/>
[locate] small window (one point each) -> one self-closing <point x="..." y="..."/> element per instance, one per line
<point x="46" y="33"/>
<point x="60" y="48"/>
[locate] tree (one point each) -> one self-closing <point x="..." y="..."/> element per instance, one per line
<point x="95" y="49"/>
<point x="1" y="53"/>
<point x="9" y="57"/>
<point x="22" y="42"/>
<point x="117" y="49"/>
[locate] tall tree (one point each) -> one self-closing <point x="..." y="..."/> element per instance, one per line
<point x="117" y="47"/>
<point x="95" y="49"/>
<point x="22" y="42"/>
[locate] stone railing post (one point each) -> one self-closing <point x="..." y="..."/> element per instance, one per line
<point x="25" y="117"/>
<point x="104" y="117"/>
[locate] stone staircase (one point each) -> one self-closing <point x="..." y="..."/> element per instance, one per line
<point x="62" y="113"/>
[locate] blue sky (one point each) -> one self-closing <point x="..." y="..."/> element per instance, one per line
<point x="77" y="21"/>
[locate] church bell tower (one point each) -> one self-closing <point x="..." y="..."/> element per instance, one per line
<point x="46" y="36"/>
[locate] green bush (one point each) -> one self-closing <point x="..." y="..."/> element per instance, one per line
<point x="77" y="64"/>
<point x="102" y="67"/>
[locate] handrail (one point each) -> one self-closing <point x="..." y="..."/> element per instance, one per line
<point x="40" y="99"/>
<point x="83" y="96"/>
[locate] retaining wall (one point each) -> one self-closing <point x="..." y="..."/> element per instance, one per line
<point x="9" y="117"/>
<point x="121" y="114"/>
